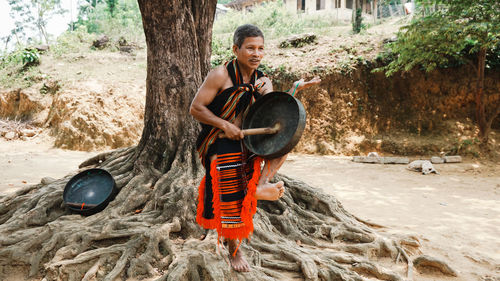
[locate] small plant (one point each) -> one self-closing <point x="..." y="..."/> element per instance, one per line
<point x="267" y="69"/>
<point x="357" y="25"/>
<point x="50" y="87"/>
<point x="30" y="57"/>
<point x="18" y="68"/>
<point x="464" y="147"/>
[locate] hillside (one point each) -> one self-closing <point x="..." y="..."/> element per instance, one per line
<point x="92" y="99"/>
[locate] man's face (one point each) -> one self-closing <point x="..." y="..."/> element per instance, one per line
<point x="251" y="52"/>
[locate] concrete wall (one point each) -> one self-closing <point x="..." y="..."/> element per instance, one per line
<point x="312" y="5"/>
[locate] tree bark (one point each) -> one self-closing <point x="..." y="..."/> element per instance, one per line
<point x="178" y="37"/>
<point x="484" y="130"/>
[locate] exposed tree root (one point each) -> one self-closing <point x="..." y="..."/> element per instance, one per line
<point x="424" y="262"/>
<point x="150" y="230"/>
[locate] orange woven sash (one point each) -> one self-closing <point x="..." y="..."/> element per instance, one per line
<point x="233" y="183"/>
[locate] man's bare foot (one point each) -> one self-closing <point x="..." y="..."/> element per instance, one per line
<point x="270" y="191"/>
<point x="238" y="262"/>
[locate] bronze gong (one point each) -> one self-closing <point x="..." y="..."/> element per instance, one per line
<point x="280" y="119"/>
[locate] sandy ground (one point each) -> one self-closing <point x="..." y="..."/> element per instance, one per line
<point x="456" y="214"/>
<point x="27" y="162"/>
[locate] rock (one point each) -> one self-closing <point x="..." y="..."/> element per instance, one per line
<point x="453" y="159"/>
<point x="424" y="261"/>
<point x="124" y="46"/>
<point x="42" y="48"/>
<point x="102" y="42"/>
<point x="437" y="160"/>
<point x="126" y="49"/>
<point x="373" y="154"/>
<point x="122" y="41"/>
<point x="47" y="180"/>
<point x="10" y="135"/>
<point x="390" y="40"/>
<point x="365" y="159"/>
<point x="395" y="160"/>
<point x="380" y="160"/>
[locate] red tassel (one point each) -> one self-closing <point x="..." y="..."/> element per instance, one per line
<point x="235" y="251"/>
<point x="249" y="205"/>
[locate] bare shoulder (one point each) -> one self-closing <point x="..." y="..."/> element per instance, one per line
<point x="217" y="78"/>
<point x="217" y="74"/>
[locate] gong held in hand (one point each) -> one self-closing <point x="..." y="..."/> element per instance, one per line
<point x="273" y="125"/>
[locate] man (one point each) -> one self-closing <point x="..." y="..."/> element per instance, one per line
<point x="234" y="182"/>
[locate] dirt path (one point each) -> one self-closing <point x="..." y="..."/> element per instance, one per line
<point x="27" y="162"/>
<point x="456" y="215"/>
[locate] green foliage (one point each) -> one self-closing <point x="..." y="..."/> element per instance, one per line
<point x="23" y="57"/>
<point x="9" y="59"/>
<point x="221" y="51"/>
<point x="33" y="14"/>
<point x="18" y="68"/>
<point x="111" y="6"/>
<point x="465" y="147"/>
<point x="30" y="57"/>
<point x="125" y="20"/>
<point x="448" y="36"/>
<point x="74" y="41"/>
<point x="274" y="20"/>
<point x="357" y="25"/>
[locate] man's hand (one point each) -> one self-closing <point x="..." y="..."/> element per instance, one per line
<point x="301" y="84"/>
<point x="232" y="131"/>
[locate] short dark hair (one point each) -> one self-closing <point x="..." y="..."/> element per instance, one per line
<point x="244" y="31"/>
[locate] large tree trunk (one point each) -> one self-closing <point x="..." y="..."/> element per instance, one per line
<point x="484" y="130"/>
<point x="375" y="10"/>
<point x="149" y="230"/>
<point x="178" y="36"/>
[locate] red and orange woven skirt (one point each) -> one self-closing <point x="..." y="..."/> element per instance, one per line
<point x="226" y="200"/>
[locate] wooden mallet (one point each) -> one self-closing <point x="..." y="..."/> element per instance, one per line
<point x="258" y="131"/>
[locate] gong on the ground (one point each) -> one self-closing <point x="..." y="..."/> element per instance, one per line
<point x="274" y="125"/>
<point x="89" y="191"/>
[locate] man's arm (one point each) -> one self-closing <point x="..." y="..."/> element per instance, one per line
<point x="301" y="85"/>
<point x="205" y="95"/>
<point x="268" y="85"/>
<point x="297" y="85"/>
